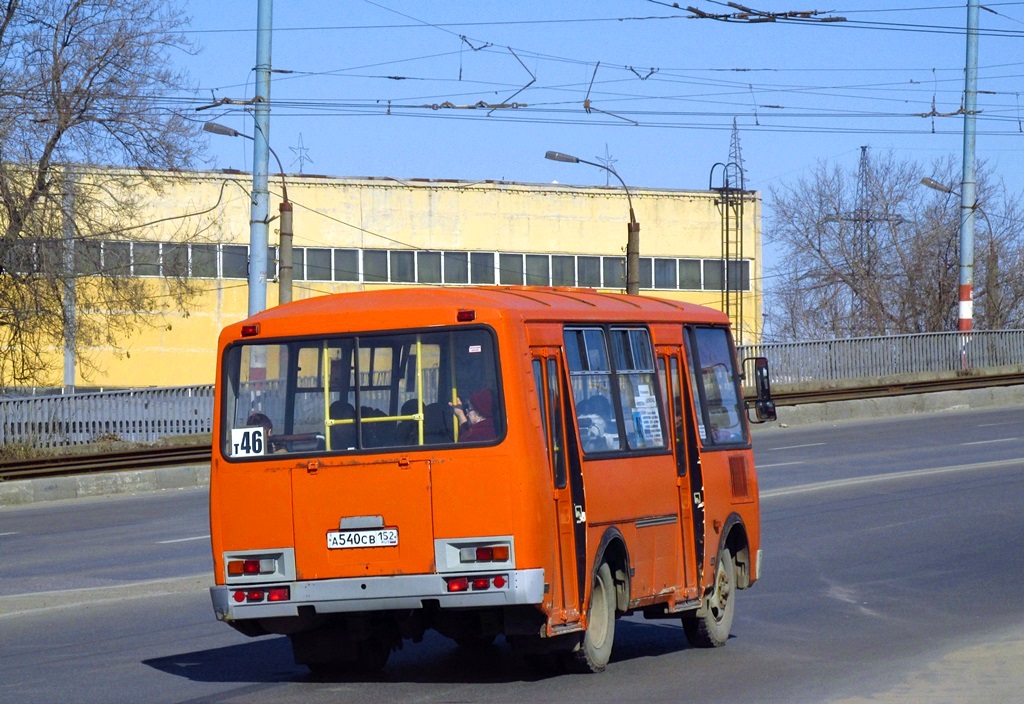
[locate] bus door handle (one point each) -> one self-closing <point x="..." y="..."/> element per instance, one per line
<point x="581" y="515"/>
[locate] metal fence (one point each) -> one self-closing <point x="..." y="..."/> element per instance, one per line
<point x="874" y="357"/>
<point x="145" y="415"/>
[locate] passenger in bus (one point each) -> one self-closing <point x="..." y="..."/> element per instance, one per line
<point x="594" y="415"/>
<point x="408" y="430"/>
<point x="343" y="437"/>
<point x="262" y="419"/>
<point x="476" y="418"/>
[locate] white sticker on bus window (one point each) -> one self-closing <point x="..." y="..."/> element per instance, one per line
<point x="247" y="442"/>
<point x="476" y="349"/>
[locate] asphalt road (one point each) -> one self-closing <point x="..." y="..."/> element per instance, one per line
<point x="892" y="569"/>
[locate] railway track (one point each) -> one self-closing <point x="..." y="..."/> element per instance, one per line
<point x="151" y="457"/>
<point x="904" y="388"/>
<point x="144" y="458"/>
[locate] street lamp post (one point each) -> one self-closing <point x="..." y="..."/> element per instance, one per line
<point x="285" y="209"/>
<point x="633" y="231"/>
<point x="969" y="204"/>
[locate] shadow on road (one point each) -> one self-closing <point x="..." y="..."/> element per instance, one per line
<point x="435" y="660"/>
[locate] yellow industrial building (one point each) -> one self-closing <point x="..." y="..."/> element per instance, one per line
<point x="358" y="233"/>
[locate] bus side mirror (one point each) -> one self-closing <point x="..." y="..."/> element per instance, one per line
<point x="764" y="405"/>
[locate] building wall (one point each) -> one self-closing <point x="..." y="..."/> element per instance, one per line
<point x="211" y="210"/>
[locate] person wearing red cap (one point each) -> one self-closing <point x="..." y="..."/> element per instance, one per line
<point x="476" y="418"/>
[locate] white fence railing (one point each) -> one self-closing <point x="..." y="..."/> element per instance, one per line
<point x="141" y="415"/>
<point x="875" y="357"/>
<point x="145" y="415"/>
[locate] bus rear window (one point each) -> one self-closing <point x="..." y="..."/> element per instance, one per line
<point x="349" y="394"/>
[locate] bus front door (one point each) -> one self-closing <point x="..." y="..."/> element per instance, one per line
<point x="570" y="509"/>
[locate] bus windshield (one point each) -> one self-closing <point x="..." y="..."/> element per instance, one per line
<point x="361" y="392"/>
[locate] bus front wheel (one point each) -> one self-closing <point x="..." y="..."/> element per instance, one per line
<point x="596" y="649"/>
<point x="711" y="629"/>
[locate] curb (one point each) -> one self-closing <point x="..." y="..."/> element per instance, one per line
<point x="30" y="491"/>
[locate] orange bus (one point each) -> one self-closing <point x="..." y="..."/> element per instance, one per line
<point x="526" y="462"/>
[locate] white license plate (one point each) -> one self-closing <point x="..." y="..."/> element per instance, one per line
<point x="367" y="538"/>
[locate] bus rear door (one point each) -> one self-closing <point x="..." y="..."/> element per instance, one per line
<point x="570" y="513"/>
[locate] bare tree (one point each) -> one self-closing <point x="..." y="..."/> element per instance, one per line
<point x="872" y="252"/>
<point x="83" y="83"/>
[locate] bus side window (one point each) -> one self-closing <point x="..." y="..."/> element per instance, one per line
<point x="721" y="420"/>
<point x="557" y="426"/>
<point x="539" y="387"/>
<point x="634" y="363"/>
<point x="670" y="390"/>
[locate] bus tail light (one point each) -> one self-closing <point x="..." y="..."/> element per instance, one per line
<point x="237" y="568"/>
<point x="279" y="594"/>
<point x="484" y="553"/>
<point x="256" y="596"/>
<point x="458" y="584"/>
<point x="476" y="584"/>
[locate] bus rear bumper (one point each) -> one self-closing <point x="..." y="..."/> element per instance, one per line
<point x="233" y="602"/>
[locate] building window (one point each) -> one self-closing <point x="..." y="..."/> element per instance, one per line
<point x="403" y="266"/>
<point x="87" y="257"/>
<point x="204" y="261"/>
<point x="482" y="268"/>
<point x="318" y="264"/>
<point x="375" y="265"/>
<point x="714" y="275"/>
<point x="689" y="274"/>
<point x="175" y="260"/>
<point x="428" y="267"/>
<point x="235" y="262"/>
<point x="146" y="258"/>
<point x="739" y="276"/>
<point x="665" y="273"/>
<point x="563" y="270"/>
<point x="510" y="269"/>
<point x="614" y="270"/>
<point x="646" y="279"/>
<point x="538" y="272"/>
<point x="589" y="271"/>
<point x="456" y="268"/>
<point x="118" y="258"/>
<point x="346" y="265"/>
<point x="298" y="264"/>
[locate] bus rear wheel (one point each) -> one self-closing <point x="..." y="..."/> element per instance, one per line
<point x="596" y="649"/>
<point x="711" y="630"/>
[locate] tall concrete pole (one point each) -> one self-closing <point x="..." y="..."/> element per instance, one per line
<point x="69" y="298"/>
<point x="968" y="194"/>
<point x="259" y="225"/>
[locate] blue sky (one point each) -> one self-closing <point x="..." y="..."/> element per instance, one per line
<point x="664" y="88"/>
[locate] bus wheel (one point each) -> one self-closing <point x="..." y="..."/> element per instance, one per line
<point x="596" y="649"/>
<point x="711" y="630"/>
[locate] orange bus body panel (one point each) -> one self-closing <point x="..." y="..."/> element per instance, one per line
<point x="638" y="508"/>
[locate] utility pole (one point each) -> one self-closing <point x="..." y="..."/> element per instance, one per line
<point x="968" y="194"/>
<point x="69" y="298"/>
<point x="259" y="222"/>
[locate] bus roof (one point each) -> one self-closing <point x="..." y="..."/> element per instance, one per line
<point x="426" y="306"/>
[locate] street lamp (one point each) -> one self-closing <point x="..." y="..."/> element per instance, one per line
<point x="285" y="285"/>
<point x="966" y="288"/>
<point x="633" y="232"/>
